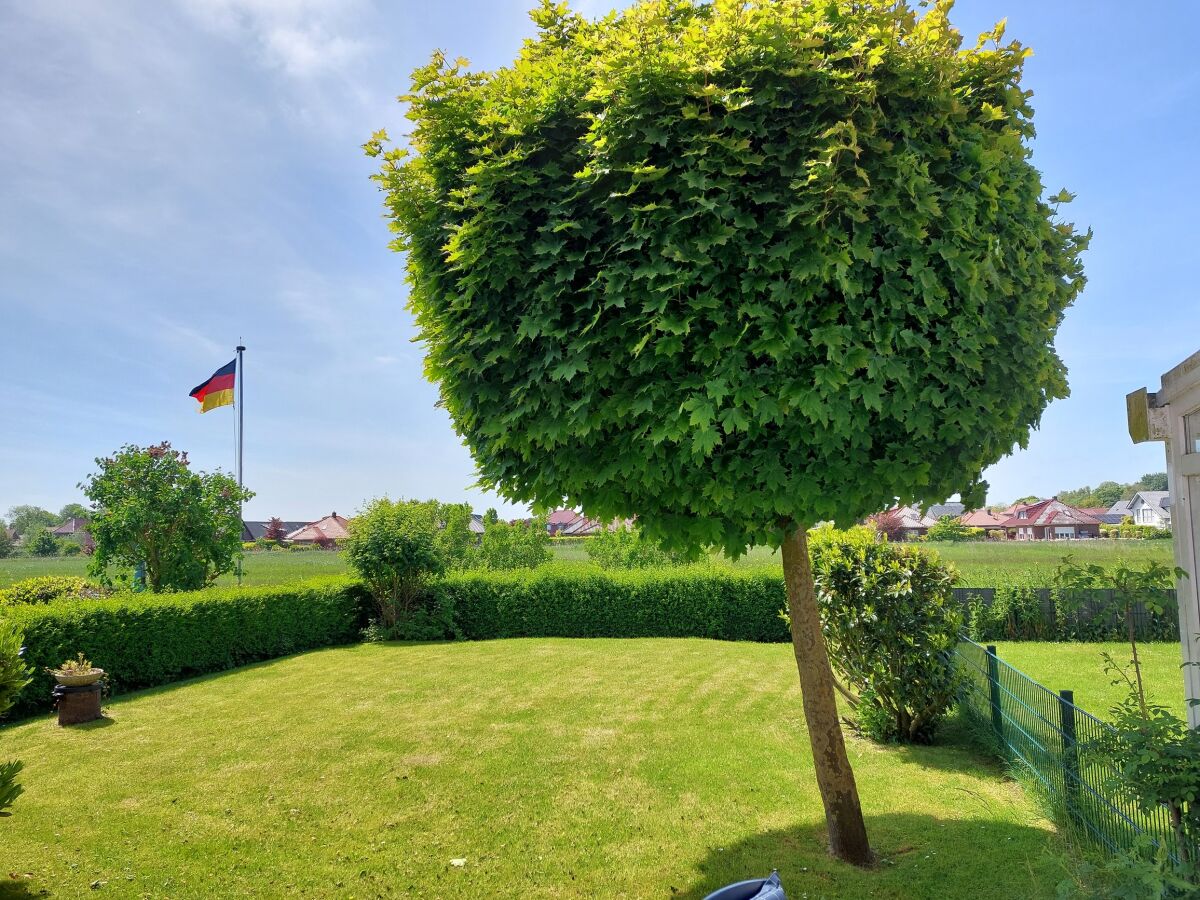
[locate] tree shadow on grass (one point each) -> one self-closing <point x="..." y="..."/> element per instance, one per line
<point x="15" y="889"/>
<point x="919" y="856"/>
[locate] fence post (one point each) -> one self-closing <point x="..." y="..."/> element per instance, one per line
<point x="1070" y="760"/>
<point x="994" y="685"/>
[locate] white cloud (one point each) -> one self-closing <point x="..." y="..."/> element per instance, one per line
<point x="302" y="38"/>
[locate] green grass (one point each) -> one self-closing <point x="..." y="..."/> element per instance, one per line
<point x="259" y="568"/>
<point x="555" y="768"/>
<point x="980" y="564"/>
<point x="998" y="563"/>
<point x="1079" y="668"/>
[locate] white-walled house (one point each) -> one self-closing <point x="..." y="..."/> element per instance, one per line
<point x="1151" y="508"/>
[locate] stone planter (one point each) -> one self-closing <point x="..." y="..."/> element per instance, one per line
<point x="77" y="696"/>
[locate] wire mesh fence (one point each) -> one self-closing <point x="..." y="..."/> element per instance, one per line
<point x="1052" y="739"/>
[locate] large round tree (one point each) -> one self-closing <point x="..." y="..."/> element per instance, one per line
<point x="735" y="268"/>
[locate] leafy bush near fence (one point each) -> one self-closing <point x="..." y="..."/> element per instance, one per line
<point x="1025" y="613"/>
<point x="889" y="620"/>
<point x="561" y="601"/>
<point x="143" y="640"/>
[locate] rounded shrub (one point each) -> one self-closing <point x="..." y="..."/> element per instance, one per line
<point x="890" y="619"/>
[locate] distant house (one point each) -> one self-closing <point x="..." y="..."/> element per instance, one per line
<point x="1050" y="520"/>
<point x="1151" y="508"/>
<point x="561" y="519"/>
<point x="70" y="528"/>
<point x="1121" y="508"/>
<point x="990" y="522"/>
<point x="331" y="528"/>
<point x="938" y="510"/>
<point x="912" y="524"/>
<point x="256" y="531"/>
<point x="75" y="529"/>
<point x="1103" y="515"/>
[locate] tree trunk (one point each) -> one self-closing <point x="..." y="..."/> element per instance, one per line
<point x="835" y="779"/>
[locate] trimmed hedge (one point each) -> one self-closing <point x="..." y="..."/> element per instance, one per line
<point x="142" y="640"/>
<point x="696" y="601"/>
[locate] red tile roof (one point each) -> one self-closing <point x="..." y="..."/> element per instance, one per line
<point x="982" y="518"/>
<point x="333" y="527"/>
<point x="1048" y="512"/>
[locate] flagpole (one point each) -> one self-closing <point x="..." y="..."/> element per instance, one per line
<point x="241" y="396"/>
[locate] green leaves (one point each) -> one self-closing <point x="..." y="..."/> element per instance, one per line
<point x="718" y="265"/>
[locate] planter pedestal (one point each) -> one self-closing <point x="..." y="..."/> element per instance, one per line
<point x="77" y="704"/>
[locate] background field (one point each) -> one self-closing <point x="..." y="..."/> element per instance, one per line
<point x="1080" y="668"/>
<point x="980" y="564"/>
<point x="553" y="768"/>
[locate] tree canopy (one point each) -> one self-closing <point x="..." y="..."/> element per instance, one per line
<point x="729" y="266"/>
<point x="151" y="508"/>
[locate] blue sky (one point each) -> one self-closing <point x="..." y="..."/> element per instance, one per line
<point x="175" y="175"/>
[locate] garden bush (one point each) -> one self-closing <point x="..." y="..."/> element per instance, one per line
<point x="45" y="588"/>
<point x="889" y="619"/>
<point x="14" y="675"/>
<point x="521" y="545"/>
<point x="143" y="640"/>
<point x="564" y="601"/>
<point x="628" y="548"/>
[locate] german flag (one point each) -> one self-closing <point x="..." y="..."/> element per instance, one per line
<point x="218" y="390"/>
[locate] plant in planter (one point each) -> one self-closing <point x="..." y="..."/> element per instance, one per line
<point x="76" y="672"/>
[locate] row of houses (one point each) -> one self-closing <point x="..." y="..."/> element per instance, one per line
<point x="1041" y="520"/>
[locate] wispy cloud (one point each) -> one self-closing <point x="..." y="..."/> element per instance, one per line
<point x="302" y="38"/>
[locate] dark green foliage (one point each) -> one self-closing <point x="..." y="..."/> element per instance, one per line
<point x="1025" y="613"/>
<point x="890" y="620"/>
<point x="185" y="526"/>
<point x="628" y="548"/>
<point x="45" y="588"/>
<point x="523" y="545"/>
<point x="142" y="640"/>
<point x="7" y="547"/>
<point x="14" y="675"/>
<point x="394" y="546"/>
<point x="694" y="601"/>
<point x="1152" y="481"/>
<point x="42" y="543"/>
<point x="733" y="266"/>
<point x="74" y="511"/>
<point x="25" y="519"/>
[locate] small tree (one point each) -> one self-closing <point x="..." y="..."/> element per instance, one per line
<point x="276" y="531"/>
<point x="43" y="543"/>
<point x="393" y="546"/>
<point x="25" y="519"/>
<point x="7" y="547"/>
<point x="74" y="511"/>
<point x="491" y="517"/>
<point x="524" y="545"/>
<point x="1154" y="755"/>
<point x="627" y="547"/>
<point x="948" y="528"/>
<point x="736" y="268"/>
<point x="151" y="508"/>
<point x="889" y="524"/>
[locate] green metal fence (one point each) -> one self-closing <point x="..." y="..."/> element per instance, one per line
<point x="1049" y="736"/>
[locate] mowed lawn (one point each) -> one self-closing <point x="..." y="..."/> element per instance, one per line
<point x="999" y="563"/>
<point x="547" y="768"/>
<point x="1080" y="668"/>
<point x="979" y="564"/>
<point x="278" y="567"/>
